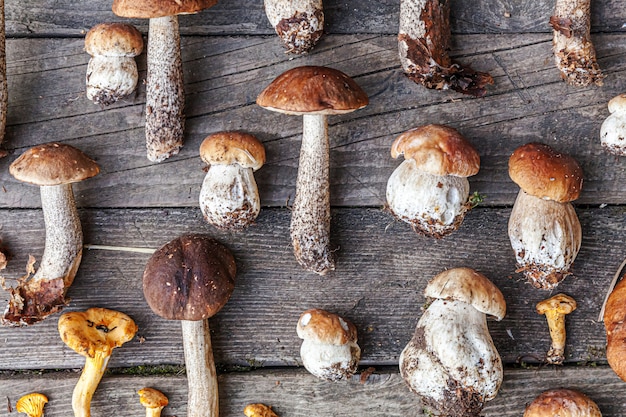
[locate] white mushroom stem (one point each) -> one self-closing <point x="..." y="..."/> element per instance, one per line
<point x="165" y="95"/>
<point x="310" y="218"/>
<point x="88" y="382"/>
<point x="110" y="78"/>
<point x="4" y="96"/>
<point x="298" y="23"/>
<point x="203" y="396"/>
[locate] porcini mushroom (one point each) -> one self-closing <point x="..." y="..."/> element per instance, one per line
<point x="314" y="93"/>
<point x="613" y="129"/>
<point x="574" y="53"/>
<point x="430" y="190"/>
<point x="190" y="279"/>
<point x="555" y="309"/>
<point x="112" y="70"/>
<point x="165" y="92"/>
<point x="299" y="24"/>
<point x="31" y="404"/>
<point x="154" y="401"/>
<point x="229" y="197"/>
<point x="451" y="360"/>
<point x="54" y="167"/>
<point x="259" y="410"/>
<point x="562" y="402"/>
<point x="93" y="333"/>
<point x="423" y="43"/>
<point x="329" y="345"/>
<point x="615" y="325"/>
<point x="544" y="229"/>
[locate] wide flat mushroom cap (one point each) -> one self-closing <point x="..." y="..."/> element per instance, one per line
<point x="560" y="303"/>
<point x="148" y="9"/>
<point x="113" y="39"/>
<point x="563" y="403"/>
<point x="233" y="147"/>
<point x="468" y="286"/>
<point x="543" y="172"/>
<point x="189" y="278"/>
<point x="53" y="164"/>
<point x="324" y="327"/>
<point x="313" y="90"/>
<point x="96" y="330"/>
<point x="152" y="398"/>
<point x="438" y="150"/>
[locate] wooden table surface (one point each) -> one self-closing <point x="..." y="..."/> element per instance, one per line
<point x="230" y="54"/>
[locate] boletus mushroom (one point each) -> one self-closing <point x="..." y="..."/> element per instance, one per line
<point x="544" y="229"/>
<point x="53" y="167"/>
<point x="451" y="361"/>
<point x="313" y="93"/>
<point x="562" y="402"/>
<point x="615" y="326"/>
<point x="430" y="190"/>
<point x="613" y="129"/>
<point x="298" y="23"/>
<point x="31" y="404"/>
<point x="190" y="279"/>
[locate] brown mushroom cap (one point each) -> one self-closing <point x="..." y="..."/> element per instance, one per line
<point x="468" y="286"/>
<point x="543" y="172"/>
<point x="113" y="39"/>
<point x="559" y="303"/>
<point x="324" y="327"/>
<point x="189" y="278"/>
<point x="148" y="9"/>
<point x="438" y="150"/>
<point x="53" y="164"/>
<point x="233" y="147"/>
<point x="563" y="403"/>
<point x="313" y="90"/>
<point x="615" y="324"/>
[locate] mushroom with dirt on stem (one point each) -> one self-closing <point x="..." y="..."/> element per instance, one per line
<point x="298" y="23"/>
<point x="613" y="129"/>
<point x="54" y="167"/>
<point x="555" y="309"/>
<point x="153" y="400"/>
<point x="313" y="93"/>
<point x="562" y="402"/>
<point x="31" y="404"/>
<point x="259" y="410"/>
<point x="190" y="279"/>
<point x="93" y="333"/>
<point x="165" y="91"/>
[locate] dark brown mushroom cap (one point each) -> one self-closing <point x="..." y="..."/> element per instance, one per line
<point x="543" y="172"/>
<point x="233" y="147"/>
<point x="53" y="164"/>
<point x="313" y="90"/>
<point x="189" y="278"/>
<point x="324" y="327"/>
<point x="148" y="9"/>
<point x="563" y="403"/>
<point x="113" y="39"/>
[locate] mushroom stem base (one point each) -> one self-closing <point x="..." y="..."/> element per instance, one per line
<point x="88" y="382"/>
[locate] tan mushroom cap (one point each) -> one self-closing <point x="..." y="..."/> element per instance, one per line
<point x="228" y="148"/>
<point x="259" y="410"/>
<point x="615" y="324"/>
<point x="563" y="403"/>
<point x="617" y="103"/>
<point x="53" y="164"/>
<point x="438" y="150"/>
<point x="313" y="90"/>
<point x="560" y="303"/>
<point x="113" y="39"/>
<point x="148" y="9"/>
<point x="468" y="286"/>
<point x="32" y="404"/>
<point x="96" y="330"/>
<point x="324" y="327"/>
<point x="543" y="172"/>
<point x="152" y="398"/>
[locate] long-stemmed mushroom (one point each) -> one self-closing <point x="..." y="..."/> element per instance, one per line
<point x="423" y="43"/>
<point x="165" y="93"/>
<point x="555" y="309"/>
<point x="54" y="167"/>
<point x="298" y="23"/>
<point x="190" y="279"/>
<point x="93" y="333"/>
<point x="313" y="93"/>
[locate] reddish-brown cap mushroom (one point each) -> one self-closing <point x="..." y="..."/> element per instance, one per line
<point x="562" y="403"/>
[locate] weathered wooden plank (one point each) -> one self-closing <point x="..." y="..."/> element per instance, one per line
<point x="383" y="267"/>
<point x="296" y="393"/>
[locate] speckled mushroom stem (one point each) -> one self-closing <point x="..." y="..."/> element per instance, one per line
<point x="165" y="94"/>
<point x="310" y="218"/>
<point x="574" y="53"/>
<point x="203" y="396"/>
<point x="88" y="382"/>
<point x="298" y="23"/>
<point x="4" y="96"/>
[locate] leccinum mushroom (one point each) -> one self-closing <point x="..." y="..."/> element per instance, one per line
<point x="423" y="43"/>
<point x="93" y="333"/>
<point x="112" y="70"/>
<point x="154" y="401"/>
<point x="190" y="279"/>
<point x="430" y="190"/>
<point x="31" y="404"/>
<point x="259" y="410"/>
<point x="229" y="197"/>
<point x="451" y="360"/>
<point x="615" y="325"/>
<point x="544" y="229"/>
<point x="54" y="167"/>
<point x="314" y="93"/>
<point x="562" y="402"/>
<point x="555" y="309"/>
<point x="329" y="345"/>
<point x="298" y="23"/>
<point x="613" y="129"/>
<point x="165" y="95"/>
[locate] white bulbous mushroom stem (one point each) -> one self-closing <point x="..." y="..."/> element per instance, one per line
<point x="203" y="397"/>
<point x="109" y="78"/>
<point x="88" y="382"/>
<point x="165" y="94"/>
<point x="4" y="96"/>
<point x="310" y="217"/>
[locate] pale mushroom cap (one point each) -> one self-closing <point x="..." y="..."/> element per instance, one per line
<point x="32" y="404"/>
<point x="233" y="147"/>
<point x="148" y="9"/>
<point x="468" y="286"/>
<point x="113" y="39"/>
<point x="562" y="403"/>
<point x="313" y="90"/>
<point x="152" y="398"/>
<point x="438" y="150"/>
<point x="545" y="173"/>
<point x="560" y="303"/>
<point x="324" y="327"/>
<point x="617" y="103"/>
